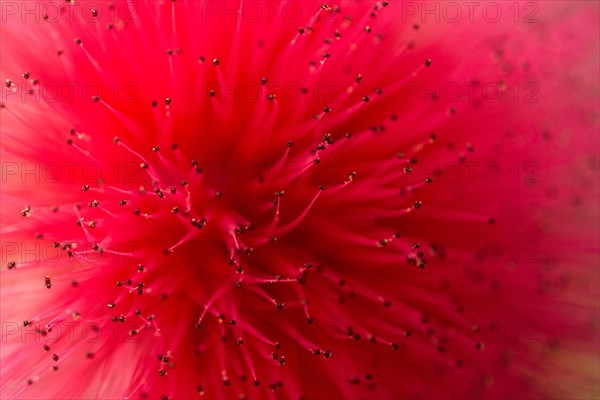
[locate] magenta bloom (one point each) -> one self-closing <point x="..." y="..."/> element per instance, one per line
<point x="362" y="199"/>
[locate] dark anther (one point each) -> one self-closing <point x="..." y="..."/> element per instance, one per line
<point x="395" y="346"/>
<point x="428" y="62"/>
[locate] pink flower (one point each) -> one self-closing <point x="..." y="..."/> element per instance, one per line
<point x="299" y="200"/>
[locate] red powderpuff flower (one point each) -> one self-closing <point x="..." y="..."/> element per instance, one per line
<point x="299" y="200"/>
